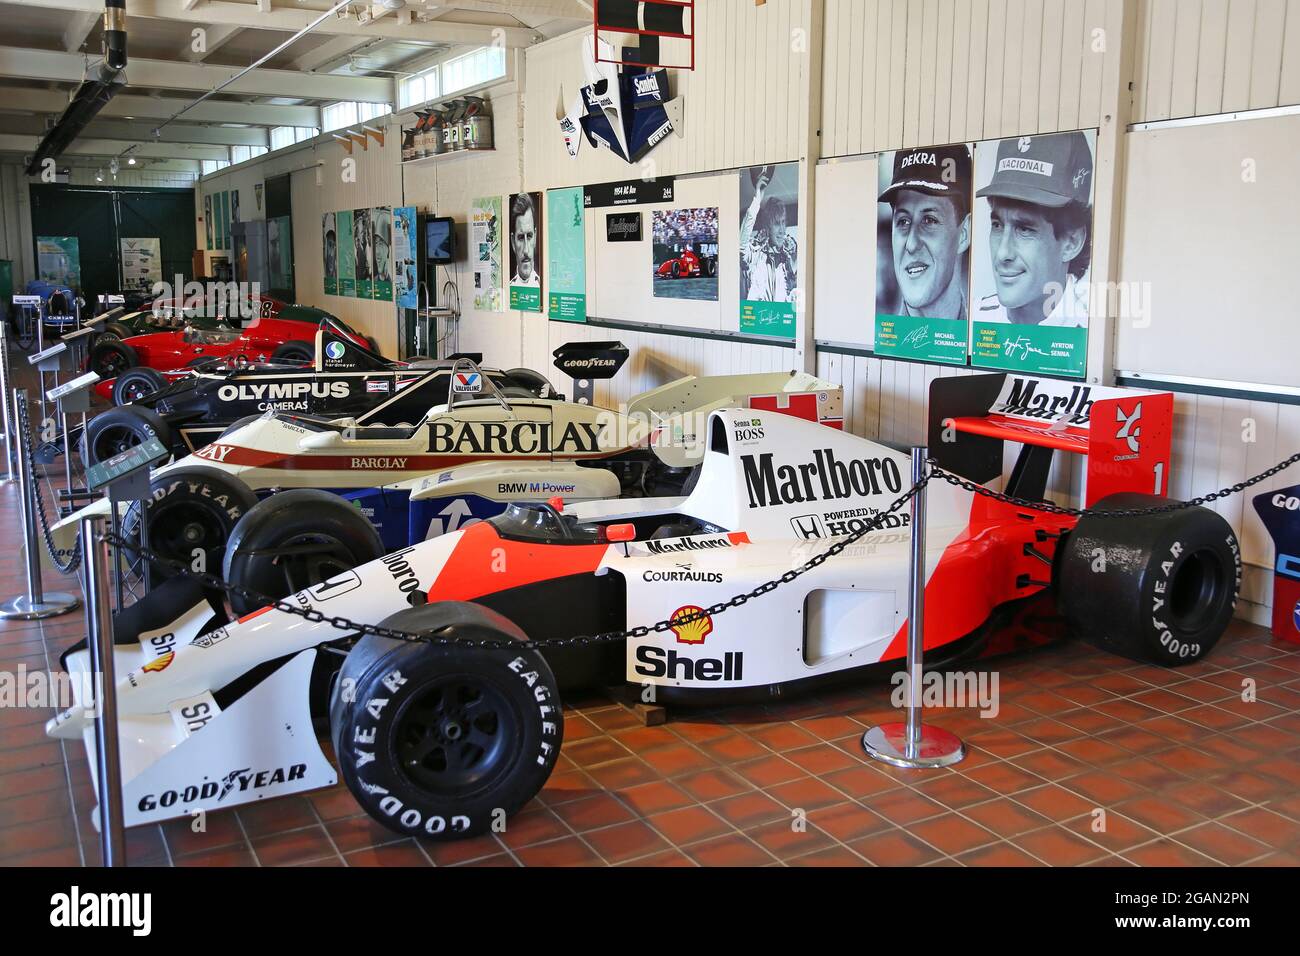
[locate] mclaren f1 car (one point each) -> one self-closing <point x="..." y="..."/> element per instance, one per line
<point x="453" y="718"/>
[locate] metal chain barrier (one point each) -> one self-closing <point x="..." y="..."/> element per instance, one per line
<point x="1051" y="508"/>
<point x="354" y="627"/>
<point x="57" y="555"/>
<point x="606" y="637"/>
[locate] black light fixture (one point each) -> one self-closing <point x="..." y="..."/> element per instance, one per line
<point x="100" y="87"/>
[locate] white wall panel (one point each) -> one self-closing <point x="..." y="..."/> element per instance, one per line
<point x="914" y="72"/>
<point x="1200" y="57"/>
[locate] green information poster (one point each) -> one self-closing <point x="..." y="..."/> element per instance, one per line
<point x="381" y="244"/>
<point x="566" y="255"/>
<point x="224" y="220"/>
<point x="364" y="259"/>
<point x="769" y="249"/>
<point x="279" y="252"/>
<point x="207" y="219"/>
<point x="347" y="257"/>
<point x="1030" y="348"/>
<point x="926" y="340"/>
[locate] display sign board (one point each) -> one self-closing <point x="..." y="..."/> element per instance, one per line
<point x="526" y="253"/>
<point x="630" y="192"/>
<point x="142" y="456"/>
<point x="623" y="227"/>
<point x="769" y="249"/>
<point x="141" y="263"/>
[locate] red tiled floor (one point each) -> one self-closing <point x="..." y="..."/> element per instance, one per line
<point x="1185" y="771"/>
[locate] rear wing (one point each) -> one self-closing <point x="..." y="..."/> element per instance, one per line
<point x="1124" y="434"/>
<point x="678" y="412"/>
<point x="337" y="353"/>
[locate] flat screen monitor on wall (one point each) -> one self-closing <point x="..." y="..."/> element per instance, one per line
<point x="439" y="240"/>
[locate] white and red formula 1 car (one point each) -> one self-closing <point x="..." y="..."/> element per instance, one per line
<point x="434" y="739"/>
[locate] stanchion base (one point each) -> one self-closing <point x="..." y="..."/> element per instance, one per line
<point x="22" y="608"/>
<point x="937" y="748"/>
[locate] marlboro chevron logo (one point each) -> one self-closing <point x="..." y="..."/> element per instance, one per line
<point x="1044" y="400"/>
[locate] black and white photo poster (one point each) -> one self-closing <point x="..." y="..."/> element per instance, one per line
<point x="769" y="249"/>
<point x="923" y="243"/>
<point x="1033" y="253"/>
<point x="526" y="252"/>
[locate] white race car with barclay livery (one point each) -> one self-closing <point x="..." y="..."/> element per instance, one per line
<point x="453" y="463"/>
<point x="453" y="718"/>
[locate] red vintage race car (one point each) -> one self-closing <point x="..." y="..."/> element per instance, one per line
<point x="688" y="264"/>
<point x="264" y="339"/>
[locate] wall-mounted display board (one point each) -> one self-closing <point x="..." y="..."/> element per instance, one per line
<point x="363" y="253"/>
<point x="141" y="262"/>
<point x="980" y="254"/>
<point x="330" y="252"/>
<point x="769" y="249"/>
<point x="690" y="223"/>
<point x="1198" y="294"/>
<point x="347" y="284"/>
<point x="381" y="250"/>
<point x="485" y="231"/>
<point x="405" y="250"/>
<point x="566" y="262"/>
<point x="847" y="265"/>
<point x="58" y="260"/>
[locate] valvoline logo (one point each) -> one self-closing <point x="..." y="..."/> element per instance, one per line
<point x="334" y="351"/>
<point x="466" y="381"/>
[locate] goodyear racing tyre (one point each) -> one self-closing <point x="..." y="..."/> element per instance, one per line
<point x="1158" y="588"/>
<point x="294" y="351"/>
<point x="296" y="539"/>
<point x="113" y="431"/>
<point x="111" y="357"/>
<point x="441" y="741"/>
<point x="135" y="384"/>
<point x="191" y="512"/>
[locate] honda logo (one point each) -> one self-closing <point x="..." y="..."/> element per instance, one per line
<point x="808" y="526"/>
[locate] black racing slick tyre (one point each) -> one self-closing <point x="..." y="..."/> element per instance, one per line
<point x="442" y="741"/>
<point x="114" y="430"/>
<point x="135" y="384"/>
<point x="294" y="351"/>
<point x="114" y="330"/>
<point x="191" y="514"/>
<point x="1158" y="588"/>
<point x="109" y="358"/>
<point x="294" y="540"/>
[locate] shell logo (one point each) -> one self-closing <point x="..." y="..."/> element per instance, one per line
<point x="692" y="632"/>
<point x="159" y="663"/>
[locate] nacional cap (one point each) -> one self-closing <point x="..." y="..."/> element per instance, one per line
<point x="1051" y="170"/>
<point x="924" y="170"/>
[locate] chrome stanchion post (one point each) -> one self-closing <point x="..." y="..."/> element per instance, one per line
<point x="912" y="744"/>
<point x="5" y="400"/>
<point x="35" y="604"/>
<point x="99" y="640"/>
